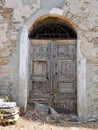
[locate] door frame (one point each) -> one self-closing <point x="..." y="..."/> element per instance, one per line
<point x="24" y="45"/>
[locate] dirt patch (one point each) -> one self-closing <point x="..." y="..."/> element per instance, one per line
<point x="25" y="124"/>
<point x="32" y="120"/>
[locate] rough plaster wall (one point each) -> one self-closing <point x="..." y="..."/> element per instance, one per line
<point x="13" y="14"/>
<point x="92" y="83"/>
<point x="22" y="12"/>
<point x="28" y="2"/>
<point x="43" y="3"/>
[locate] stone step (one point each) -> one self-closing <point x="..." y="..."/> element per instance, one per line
<point x="10" y="110"/>
<point x="7" y="105"/>
<point x="15" y="118"/>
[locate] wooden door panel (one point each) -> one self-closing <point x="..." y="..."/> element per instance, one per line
<point x="40" y="74"/>
<point x="39" y="70"/>
<point x="40" y="92"/>
<point x="39" y="50"/>
<point x="66" y="70"/>
<point x="62" y="96"/>
<point x="66" y="87"/>
<point x="66" y="51"/>
<point x="65" y="107"/>
<point x="65" y="93"/>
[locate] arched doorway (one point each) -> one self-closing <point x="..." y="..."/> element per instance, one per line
<point x="53" y="64"/>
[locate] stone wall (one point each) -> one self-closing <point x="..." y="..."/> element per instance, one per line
<point x="84" y="14"/>
<point x="14" y="14"/>
<point x="8" y="35"/>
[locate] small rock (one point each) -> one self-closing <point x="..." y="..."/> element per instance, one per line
<point x="41" y="108"/>
<point x="55" y="117"/>
<point x="92" y="120"/>
<point x="74" y="118"/>
<point x="48" y="118"/>
<point x="52" y="111"/>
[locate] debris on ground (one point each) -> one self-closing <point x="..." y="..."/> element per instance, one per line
<point x="34" y="119"/>
<point x="74" y="118"/>
<point x="47" y="114"/>
<point x="44" y="113"/>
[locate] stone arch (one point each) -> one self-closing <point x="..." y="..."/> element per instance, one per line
<point x="52" y="22"/>
<point x="24" y="59"/>
<point x="53" y="18"/>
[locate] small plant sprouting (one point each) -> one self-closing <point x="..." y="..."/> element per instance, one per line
<point x="7" y="98"/>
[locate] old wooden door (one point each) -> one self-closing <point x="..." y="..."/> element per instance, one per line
<point x="53" y="67"/>
<point x="65" y="76"/>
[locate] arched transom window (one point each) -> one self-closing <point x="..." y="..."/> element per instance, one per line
<point x="53" y="30"/>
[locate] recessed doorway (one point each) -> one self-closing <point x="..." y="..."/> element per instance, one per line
<point x="53" y="61"/>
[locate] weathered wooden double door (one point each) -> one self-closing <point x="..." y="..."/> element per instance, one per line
<point x="53" y="74"/>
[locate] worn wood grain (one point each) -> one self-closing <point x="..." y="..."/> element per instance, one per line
<point x="54" y="74"/>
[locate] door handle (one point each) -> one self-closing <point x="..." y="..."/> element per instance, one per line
<point x="47" y="76"/>
<point x="56" y="73"/>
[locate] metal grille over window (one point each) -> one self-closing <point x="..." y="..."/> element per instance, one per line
<point x="53" y="31"/>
